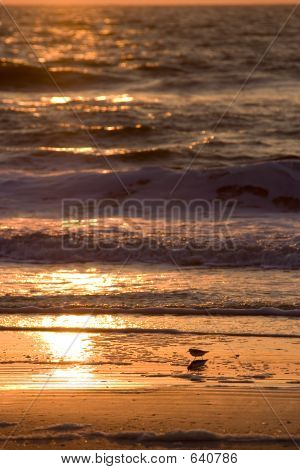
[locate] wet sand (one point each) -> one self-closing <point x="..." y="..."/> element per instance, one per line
<point x="116" y="390"/>
<point x="234" y="418"/>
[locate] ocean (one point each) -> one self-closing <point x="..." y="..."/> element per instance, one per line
<point x="168" y="105"/>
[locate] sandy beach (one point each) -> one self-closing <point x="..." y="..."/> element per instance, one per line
<point x="178" y="418"/>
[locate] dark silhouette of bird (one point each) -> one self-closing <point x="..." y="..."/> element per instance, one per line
<point x="197" y="352"/>
<point x="197" y="364"/>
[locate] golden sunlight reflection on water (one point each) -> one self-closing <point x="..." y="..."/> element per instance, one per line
<point x="90" y="281"/>
<point x="68" y="347"/>
<point x="60" y="99"/>
<point x="129" y="284"/>
<point x="72" y="362"/>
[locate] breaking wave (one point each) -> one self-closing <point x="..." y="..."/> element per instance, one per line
<point x="41" y="247"/>
<point x="273" y="186"/>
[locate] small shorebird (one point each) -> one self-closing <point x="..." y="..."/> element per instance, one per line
<point x="197" y="352"/>
<point x="197" y="364"/>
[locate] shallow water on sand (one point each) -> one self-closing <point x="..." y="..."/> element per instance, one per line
<point x="109" y="360"/>
<point x="110" y="327"/>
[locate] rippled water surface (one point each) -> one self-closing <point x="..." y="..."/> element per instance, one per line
<point x="149" y="86"/>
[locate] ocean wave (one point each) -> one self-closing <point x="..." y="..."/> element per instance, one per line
<point x="267" y="186"/>
<point x="50" y="160"/>
<point x="150" y="76"/>
<point x="39" y="139"/>
<point x="20" y="75"/>
<point x="116" y="246"/>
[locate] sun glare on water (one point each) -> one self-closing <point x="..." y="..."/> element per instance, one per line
<point x="60" y="99"/>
